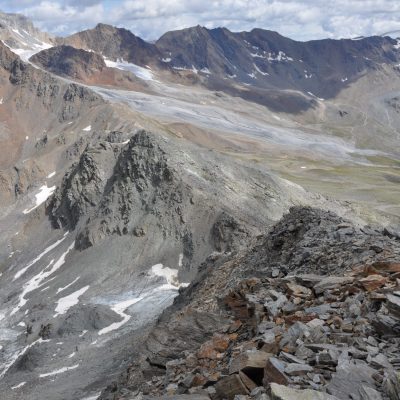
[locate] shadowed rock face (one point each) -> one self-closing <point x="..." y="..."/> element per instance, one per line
<point x="265" y="59"/>
<point x="68" y="61"/>
<point x="84" y="66"/>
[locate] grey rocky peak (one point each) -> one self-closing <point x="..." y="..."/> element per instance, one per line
<point x="115" y="43"/>
<point x="17" y="31"/>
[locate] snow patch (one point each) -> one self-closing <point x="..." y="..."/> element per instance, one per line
<point x="18" y="386"/>
<point x="313" y="95"/>
<point x="280" y="57"/>
<point x="26" y="54"/>
<point x="93" y="397"/>
<point x="344" y="79"/>
<point x="59" y="371"/>
<point x="88" y="128"/>
<point x="65" y="303"/>
<point x="120" y="309"/>
<point x="166" y="60"/>
<point x="140" y="72"/>
<point x="17" y="32"/>
<point x="18" y="354"/>
<point x="170" y="274"/>
<point x="36" y="281"/>
<point x="59" y="290"/>
<point x="259" y="70"/>
<point x="256" y="55"/>
<point x="44" y="193"/>
<point x="193" y="69"/>
<point x="51" y="174"/>
<point x="23" y="270"/>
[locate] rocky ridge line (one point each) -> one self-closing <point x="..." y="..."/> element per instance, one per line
<point x="245" y="332"/>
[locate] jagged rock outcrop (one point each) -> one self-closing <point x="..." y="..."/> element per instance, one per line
<point x="82" y="186"/>
<point x="142" y="181"/>
<point x="310" y="241"/>
<point x="145" y="187"/>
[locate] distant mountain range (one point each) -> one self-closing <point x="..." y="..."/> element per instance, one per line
<point x="261" y="65"/>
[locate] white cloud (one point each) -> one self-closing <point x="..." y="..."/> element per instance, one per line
<point x="299" y="19"/>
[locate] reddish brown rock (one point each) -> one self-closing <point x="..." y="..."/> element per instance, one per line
<point x="214" y="347"/>
<point x="249" y="360"/>
<point x="373" y="282"/>
<point x="230" y="386"/>
<point x="274" y="373"/>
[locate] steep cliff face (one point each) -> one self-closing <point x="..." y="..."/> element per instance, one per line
<point x="26" y="93"/>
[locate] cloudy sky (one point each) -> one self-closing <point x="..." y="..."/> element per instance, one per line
<point x="298" y="19"/>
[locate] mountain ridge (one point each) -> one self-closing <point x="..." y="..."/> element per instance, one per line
<point x="259" y="60"/>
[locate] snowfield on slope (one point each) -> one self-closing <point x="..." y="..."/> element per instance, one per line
<point x="43" y="194"/>
<point x="143" y="73"/>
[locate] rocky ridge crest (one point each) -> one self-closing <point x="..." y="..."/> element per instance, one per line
<point x="248" y="331"/>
